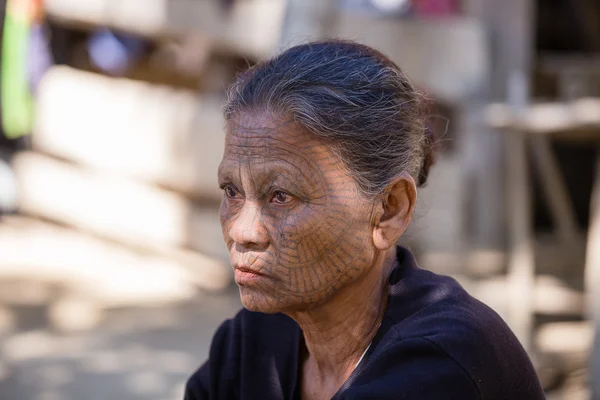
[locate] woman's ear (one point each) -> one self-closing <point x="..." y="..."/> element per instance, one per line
<point x="396" y="208"/>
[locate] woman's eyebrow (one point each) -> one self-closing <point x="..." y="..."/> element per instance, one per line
<point x="289" y="171"/>
<point x="223" y="173"/>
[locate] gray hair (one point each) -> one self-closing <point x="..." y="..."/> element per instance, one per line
<point x="350" y="95"/>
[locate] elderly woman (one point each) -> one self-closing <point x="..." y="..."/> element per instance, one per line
<point x="325" y="148"/>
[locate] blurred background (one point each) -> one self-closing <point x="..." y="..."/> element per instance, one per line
<point x="113" y="274"/>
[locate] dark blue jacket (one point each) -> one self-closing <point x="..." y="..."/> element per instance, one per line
<point x="435" y="342"/>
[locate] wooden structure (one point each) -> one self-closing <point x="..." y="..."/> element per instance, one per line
<point x="529" y="128"/>
<point x="577" y="120"/>
<point x="250" y="28"/>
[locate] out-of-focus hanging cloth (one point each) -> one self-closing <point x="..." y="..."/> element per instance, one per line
<point x="25" y="57"/>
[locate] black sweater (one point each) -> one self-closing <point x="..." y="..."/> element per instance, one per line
<point x="435" y="342"/>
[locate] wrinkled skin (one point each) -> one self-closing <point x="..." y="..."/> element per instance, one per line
<point x="292" y="212"/>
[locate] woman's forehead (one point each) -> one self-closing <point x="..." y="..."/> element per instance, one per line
<point x="264" y="126"/>
<point x="278" y="144"/>
<point x="262" y="136"/>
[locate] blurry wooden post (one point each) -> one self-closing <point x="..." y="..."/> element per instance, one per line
<point x="518" y="28"/>
<point x="481" y="153"/>
<point x="555" y="190"/>
<point x="481" y="162"/>
<point x="592" y="281"/>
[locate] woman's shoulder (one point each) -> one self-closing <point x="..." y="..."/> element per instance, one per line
<point x="427" y="304"/>
<point x="435" y="314"/>
<point x="438" y="308"/>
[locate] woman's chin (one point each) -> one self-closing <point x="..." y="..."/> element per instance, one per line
<point x="258" y="303"/>
<point x="260" y="307"/>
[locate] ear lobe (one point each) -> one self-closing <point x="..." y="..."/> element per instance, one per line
<point x="398" y="203"/>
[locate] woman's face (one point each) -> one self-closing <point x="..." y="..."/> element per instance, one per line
<point x="296" y="227"/>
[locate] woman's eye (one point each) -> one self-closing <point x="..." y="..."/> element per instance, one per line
<point x="230" y="191"/>
<point x="281" y="197"/>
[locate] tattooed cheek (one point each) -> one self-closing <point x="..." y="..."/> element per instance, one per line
<point x="224" y="215"/>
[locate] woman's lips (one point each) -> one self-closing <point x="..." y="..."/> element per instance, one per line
<point x="246" y="276"/>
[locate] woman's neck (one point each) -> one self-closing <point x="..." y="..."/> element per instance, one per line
<point x="338" y="332"/>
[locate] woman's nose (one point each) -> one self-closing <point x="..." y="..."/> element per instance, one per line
<point x="248" y="230"/>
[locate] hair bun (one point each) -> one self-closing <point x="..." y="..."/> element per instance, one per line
<point x="429" y="156"/>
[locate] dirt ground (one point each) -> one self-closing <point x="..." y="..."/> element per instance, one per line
<point x="134" y="353"/>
